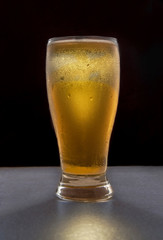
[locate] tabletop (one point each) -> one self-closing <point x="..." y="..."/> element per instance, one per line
<point x="30" y="210"/>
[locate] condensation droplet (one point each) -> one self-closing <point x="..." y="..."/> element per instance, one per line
<point x="87" y="65"/>
<point x="91" y="98"/>
<point x="69" y="95"/>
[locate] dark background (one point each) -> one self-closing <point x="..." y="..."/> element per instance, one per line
<point x="26" y="132"/>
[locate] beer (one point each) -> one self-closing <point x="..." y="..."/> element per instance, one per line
<point x="83" y="88"/>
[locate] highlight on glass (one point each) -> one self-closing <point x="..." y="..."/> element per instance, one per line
<point x="83" y="76"/>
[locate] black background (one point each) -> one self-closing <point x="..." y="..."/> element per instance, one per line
<point x="26" y="132"/>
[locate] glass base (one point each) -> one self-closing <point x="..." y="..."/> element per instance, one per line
<point x="84" y="188"/>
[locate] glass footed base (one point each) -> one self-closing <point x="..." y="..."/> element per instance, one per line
<point x="84" y="188"/>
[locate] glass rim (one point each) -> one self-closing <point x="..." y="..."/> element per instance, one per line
<point x="81" y="38"/>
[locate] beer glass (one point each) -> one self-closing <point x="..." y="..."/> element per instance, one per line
<point x="83" y="87"/>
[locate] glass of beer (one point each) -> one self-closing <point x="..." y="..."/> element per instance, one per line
<point x="83" y="74"/>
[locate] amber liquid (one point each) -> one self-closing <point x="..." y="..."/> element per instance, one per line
<point x="83" y="113"/>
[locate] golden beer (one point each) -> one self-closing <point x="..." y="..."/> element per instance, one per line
<point x="83" y="89"/>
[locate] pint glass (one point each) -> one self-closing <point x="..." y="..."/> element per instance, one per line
<point x="83" y="88"/>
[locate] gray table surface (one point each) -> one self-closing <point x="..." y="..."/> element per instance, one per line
<point x="29" y="209"/>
